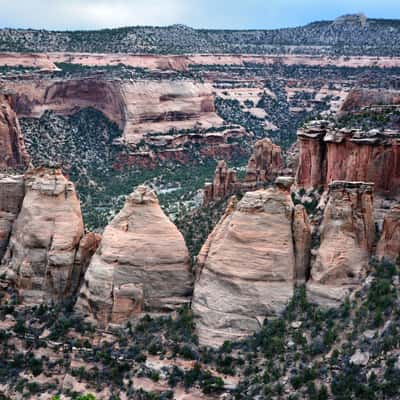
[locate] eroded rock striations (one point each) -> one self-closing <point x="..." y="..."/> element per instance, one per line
<point x="12" y="148"/>
<point x="389" y="243"/>
<point x="346" y="242"/>
<point x="12" y="191"/>
<point x="142" y="264"/>
<point x="224" y="184"/>
<point x="139" y="108"/>
<point x="263" y="167"/>
<point x="247" y="268"/>
<point x="41" y="255"/>
<point x="328" y="154"/>
<point x="358" y="99"/>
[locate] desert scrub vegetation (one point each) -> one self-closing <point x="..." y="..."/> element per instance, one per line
<point x="306" y="353"/>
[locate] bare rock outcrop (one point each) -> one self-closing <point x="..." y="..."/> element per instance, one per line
<point x="328" y="154"/>
<point x="346" y="241"/>
<point x="389" y="243"/>
<point x="40" y="258"/>
<point x="302" y="243"/>
<point x="246" y="270"/>
<point x="224" y="183"/>
<point x="87" y="248"/>
<point x="139" y="108"/>
<point x="142" y="265"/>
<point x="12" y="147"/>
<point x="264" y="165"/>
<point x="12" y="191"/>
<point x="358" y="99"/>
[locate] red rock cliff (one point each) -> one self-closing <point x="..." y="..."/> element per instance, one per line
<point x="327" y="154"/>
<point x="12" y="147"/>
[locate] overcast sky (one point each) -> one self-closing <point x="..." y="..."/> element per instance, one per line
<point x="235" y="14"/>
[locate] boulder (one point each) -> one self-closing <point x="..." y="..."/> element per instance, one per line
<point x="142" y="265"/>
<point x="346" y="241"/>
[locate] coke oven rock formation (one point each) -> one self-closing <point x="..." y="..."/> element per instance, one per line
<point x="346" y="242"/>
<point x="389" y="243"/>
<point x="12" y="148"/>
<point x="142" y="265"/>
<point x="41" y="258"/>
<point x="328" y="154"/>
<point x="248" y="267"/>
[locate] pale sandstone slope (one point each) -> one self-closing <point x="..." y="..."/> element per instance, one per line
<point x="389" y="243"/>
<point x="142" y="264"/>
<point x="138" y="107"/>
<point x="346" y="242"/>
<point x="246" y="269"/>
<point x="12" y="191"/>
<point x="12" y="147"/>
<point x="41" y="253"/>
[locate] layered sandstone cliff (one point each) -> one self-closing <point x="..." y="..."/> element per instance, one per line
<point x="41" y="255"/>
<point x="12" y="148"/>
<point x="187" y="147"/>
<point x="247" y="268"/>
<point x="346" y="242"/>
<point x="154" y="107"/>
<point x="328" y="154"/>
<point x="138" y="107"/>
<point x="358" y="99"/>
<point x="142" y="265"/>
<point x="389" y="243"/>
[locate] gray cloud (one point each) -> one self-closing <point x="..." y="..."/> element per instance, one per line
<point x="76" y="14"/>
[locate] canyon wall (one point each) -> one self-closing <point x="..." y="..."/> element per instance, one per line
<point x="12" y="148"/>
<point x="138" y="107"/>
<point x="159" y="106"/>
<point x="328" y="154"/>
<point x="47" y="61"/>
<point x="358" y="99"/>
<point x="142" y="265"/>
